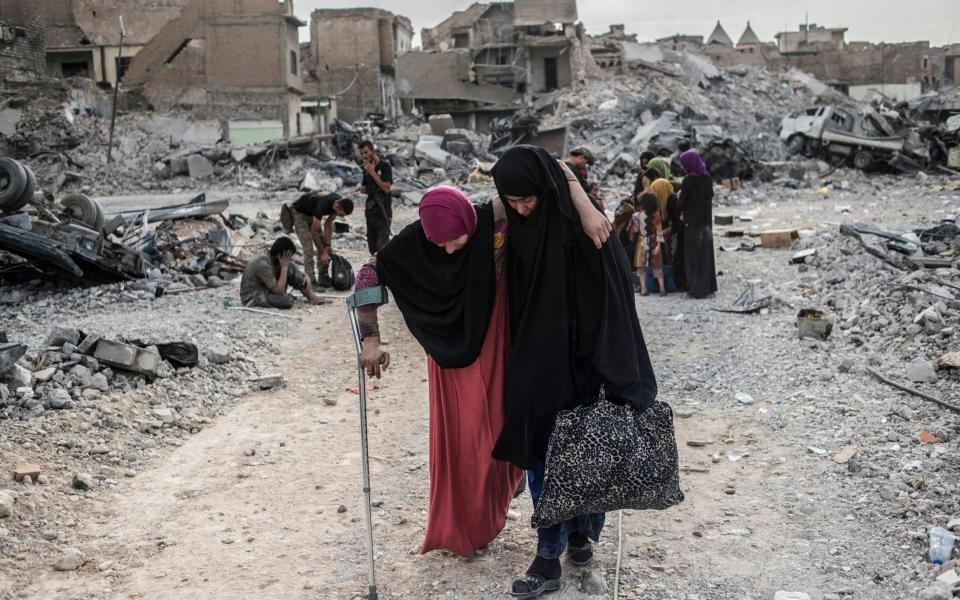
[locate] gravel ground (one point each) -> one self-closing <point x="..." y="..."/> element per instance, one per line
<point x="772" y="504"/>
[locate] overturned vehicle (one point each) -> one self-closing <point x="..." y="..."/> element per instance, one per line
<point x="867" y="141"/>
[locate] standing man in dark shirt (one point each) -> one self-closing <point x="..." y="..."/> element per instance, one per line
<point x="308" y="213"/>
<point x="377" y="183"/>
<point x="578" y="160"/>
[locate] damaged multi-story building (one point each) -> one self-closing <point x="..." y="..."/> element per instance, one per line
<point x="21" y="41"/>
<point x="352" y="60"/>
<point x="236" y="61"/>
<point x="900" y="71"/>
<point x="83" y="37"/>
<point x="482" y="62"/>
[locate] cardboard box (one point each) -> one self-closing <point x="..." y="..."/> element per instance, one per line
<point x="779" y="238"/>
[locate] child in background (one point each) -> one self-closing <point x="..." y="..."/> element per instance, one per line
<point x="647" y="228"/>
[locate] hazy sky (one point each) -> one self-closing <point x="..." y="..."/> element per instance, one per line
<point x="886" y="21"/>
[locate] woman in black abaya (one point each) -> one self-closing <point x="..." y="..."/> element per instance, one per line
<point x="575" y="328"/>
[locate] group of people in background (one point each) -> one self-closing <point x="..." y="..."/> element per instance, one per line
<point x="666" y="226"/>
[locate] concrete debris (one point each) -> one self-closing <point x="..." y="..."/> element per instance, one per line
<point x="7" y="500"/>
<point x="199" y="167"/>
<point x="70" y="559"/>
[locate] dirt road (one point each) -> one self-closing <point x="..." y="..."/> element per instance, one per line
<point x="266" y="502"/>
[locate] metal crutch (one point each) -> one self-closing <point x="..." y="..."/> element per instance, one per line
<point x="365" y="297"/>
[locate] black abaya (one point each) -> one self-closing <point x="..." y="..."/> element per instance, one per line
<point x="573" y="319"/>
<point x="446" y="299"/>
<point x="696" y="205"/>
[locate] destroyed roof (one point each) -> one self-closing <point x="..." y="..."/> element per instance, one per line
<point x="443" y="75"/>
<point x="749" y="38"/>
<point x="97" y="22"/>
<point x="540" y="12"/>
<point x="719" y="36"/>
<point x="64" y="36"/>
<point x="433" y="37"/>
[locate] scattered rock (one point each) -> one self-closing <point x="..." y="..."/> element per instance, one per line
<point x="7" y="500"/>
<point x="921" y="370"/>
<point x="593" y="583"/>
<point x="70" y="559"/>
<point x="83" y="482"/>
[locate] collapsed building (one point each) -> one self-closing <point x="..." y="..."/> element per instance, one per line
<point x="238" y="63"/>
<point x="21" y="41"/>
<point x="491" y="57"/>
<point x="83" y="37"/>
<point x="352" y="59"/>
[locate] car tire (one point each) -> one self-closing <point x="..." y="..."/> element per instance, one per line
<point x="84" y="210"/>
<point x="13" y="181"/>
<point x="28" y="190"/>
<point x="862" y="160"/>
<point x="796" y="145"/>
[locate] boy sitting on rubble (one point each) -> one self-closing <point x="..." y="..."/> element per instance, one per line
<point x="267" y="277"/>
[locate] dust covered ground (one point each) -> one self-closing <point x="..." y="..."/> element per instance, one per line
<point x="257" y="494"/>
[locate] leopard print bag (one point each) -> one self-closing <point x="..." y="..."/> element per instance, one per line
<point x="604" y="457"/>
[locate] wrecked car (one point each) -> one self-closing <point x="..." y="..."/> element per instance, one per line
<point x="865" y="141"/>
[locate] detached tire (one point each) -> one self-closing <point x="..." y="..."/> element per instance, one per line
<point x="28" y="190"/>
<point x="84" y="210"/>
<point x="13" y="182"/>
<point x="862" y="160"/>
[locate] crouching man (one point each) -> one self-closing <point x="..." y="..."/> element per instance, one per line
<point x="267" y="277"/>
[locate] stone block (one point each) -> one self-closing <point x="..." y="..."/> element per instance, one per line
<point x="88" y="345"/>
<point x="32" y="471"/>
<point x="116" y="354"/>
<point x="59" y="336"/>
<point x="199" y="167"/>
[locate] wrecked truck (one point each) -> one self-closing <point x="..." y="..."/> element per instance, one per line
<point x="864" y="141"/>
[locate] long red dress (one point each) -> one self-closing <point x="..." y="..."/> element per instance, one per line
<point x="470" y="492"/>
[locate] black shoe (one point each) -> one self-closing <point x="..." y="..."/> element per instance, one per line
<point x="543" y="576"/>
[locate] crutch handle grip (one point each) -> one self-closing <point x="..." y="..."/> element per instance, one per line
<point x="375" y="296"/>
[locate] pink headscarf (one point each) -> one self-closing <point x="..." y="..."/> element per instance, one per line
<point x="446" y="213"/>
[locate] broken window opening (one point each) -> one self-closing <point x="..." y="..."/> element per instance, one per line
<point x="550" y="75"/>
<point x="293" y="62"/>
<point x="74" y="69"/>
<point x="122" y="64"/>
<point x="179" y="49"/>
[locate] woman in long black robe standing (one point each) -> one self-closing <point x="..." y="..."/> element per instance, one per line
<point x="696" y="207"/>
<point x="574" y="327"/>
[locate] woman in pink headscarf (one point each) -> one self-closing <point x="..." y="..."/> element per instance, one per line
<point x="445" y="273"/>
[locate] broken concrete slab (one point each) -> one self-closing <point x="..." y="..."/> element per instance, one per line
<point x="116" y="354"/>
<point x="429" y="149"/>
<point x="201" y="133"/>
<point x="268" y="382"/>
<point x="199" y="167"/>
<point x="9" y="118"/>
<point x="58" y="336"/>
<point x="439" y="124"/>
<point x="9" y="355"/>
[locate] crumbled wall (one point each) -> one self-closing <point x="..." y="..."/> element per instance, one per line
<point x="22" y="53"/>
<point x="354" y="57"/>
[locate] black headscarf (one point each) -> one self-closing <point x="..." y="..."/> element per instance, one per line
<point x="573" y="319"/>
<point x="446" y="299"/>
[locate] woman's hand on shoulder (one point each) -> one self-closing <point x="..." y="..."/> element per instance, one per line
<point x="597" y="227"/>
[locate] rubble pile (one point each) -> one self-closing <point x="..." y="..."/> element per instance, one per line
<point x="889" y="292"/>
<point x="631" y="113"/>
